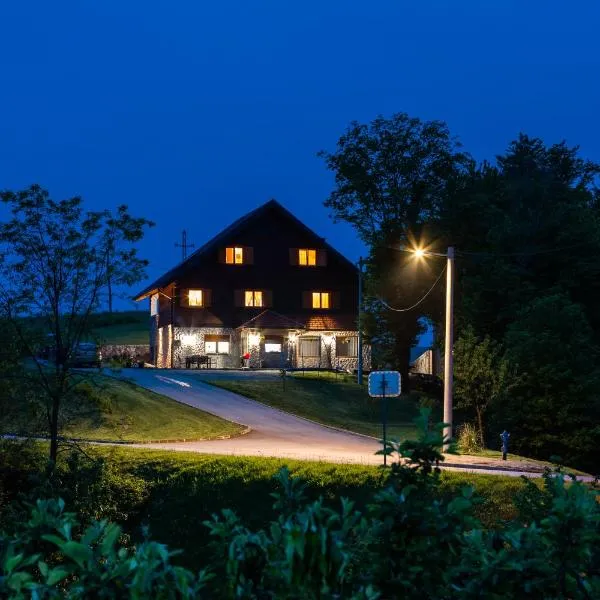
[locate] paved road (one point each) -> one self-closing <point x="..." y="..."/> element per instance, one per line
<point x="274" y="433"/>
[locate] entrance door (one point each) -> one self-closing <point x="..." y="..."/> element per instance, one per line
<point x="273" y="352"/>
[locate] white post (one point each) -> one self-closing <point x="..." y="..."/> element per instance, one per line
<point x="449" y="343"/>
<point x="360" y="343"/>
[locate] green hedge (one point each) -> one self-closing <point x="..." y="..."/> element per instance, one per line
<point x="173" y="493"/>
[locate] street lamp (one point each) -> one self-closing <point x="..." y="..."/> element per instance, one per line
<point x="449" y="341"/>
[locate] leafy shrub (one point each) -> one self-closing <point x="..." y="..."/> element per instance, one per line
<point x="411" y="541"/>
<point x="468" y="439"/>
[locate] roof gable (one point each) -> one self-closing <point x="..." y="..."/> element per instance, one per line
<point x="243" y="223"/>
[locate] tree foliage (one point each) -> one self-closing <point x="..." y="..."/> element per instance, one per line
<point x="411" y="541"/>
<point x="525" y="227"/>
<point x="55" y="261"/>
<point x="392" y="178"/>
<point x="481" y="377"/>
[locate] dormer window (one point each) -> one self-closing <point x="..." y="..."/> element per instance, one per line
<point x="234" y="255"/>
<point x="307" y="257"/>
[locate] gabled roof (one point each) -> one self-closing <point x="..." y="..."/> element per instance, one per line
<point x="269" y="319"/>
<point x="172" y="274"/>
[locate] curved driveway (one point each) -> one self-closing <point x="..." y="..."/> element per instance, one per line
<point x="274" y="433"/>
<point x="277" y="433"/>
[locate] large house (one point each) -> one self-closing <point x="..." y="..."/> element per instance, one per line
<point x="268" y="288"/>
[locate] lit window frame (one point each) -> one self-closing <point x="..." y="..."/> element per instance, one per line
<point x="234" y="255"/>
<point x="307" y="257"/>
<point x="218" y="346"/>
<point x="257" y="299"/>
<point x="321" y="300"/>
<point x="196" y="298"/>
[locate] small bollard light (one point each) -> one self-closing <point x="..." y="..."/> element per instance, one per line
<point x="504" y="436"/>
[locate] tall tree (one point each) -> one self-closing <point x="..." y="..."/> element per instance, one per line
<point x="526" y="226"/>
<point x="481" y="377"/>
<point x="392" y="178"/>
<point x="55" y="260"/>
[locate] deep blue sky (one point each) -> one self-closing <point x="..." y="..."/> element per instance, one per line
<point x="194" y="112"/>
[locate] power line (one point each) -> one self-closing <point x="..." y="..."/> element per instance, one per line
<point x="417" y="303"/>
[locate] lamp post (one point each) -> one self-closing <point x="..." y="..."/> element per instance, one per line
<point x="360" y="336"/>
<point x="449" y="340"/>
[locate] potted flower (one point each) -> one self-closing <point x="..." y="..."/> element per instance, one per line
<point x="246" y="360"/>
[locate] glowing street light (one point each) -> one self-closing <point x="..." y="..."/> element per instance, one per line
<point x="449" y="342"/>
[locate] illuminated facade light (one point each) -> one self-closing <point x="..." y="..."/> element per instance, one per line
<point x="188" y="340"/>
<point x="254" y="339"/>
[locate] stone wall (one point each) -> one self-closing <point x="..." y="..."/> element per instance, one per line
<point x="328" y="358"/>
<point x="190" y="341"/>
<point x="136" y="351"/>
<point x="163" y="347"/>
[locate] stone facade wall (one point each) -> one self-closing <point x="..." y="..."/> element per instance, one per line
<point x="136" y="351"/>
<point x="163" y="347"/>
<point x="183" y="348"/>
<point x="329" y="358"/>
<point x="189" y="341"/>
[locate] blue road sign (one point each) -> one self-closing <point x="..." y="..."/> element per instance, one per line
<point x="384" y="383"/>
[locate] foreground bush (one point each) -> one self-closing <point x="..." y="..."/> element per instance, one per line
<point x="412" y="541"/>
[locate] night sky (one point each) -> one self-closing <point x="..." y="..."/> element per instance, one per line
<point x="195" y="112"/>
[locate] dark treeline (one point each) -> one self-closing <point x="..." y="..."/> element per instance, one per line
<point x="526" y="229"/>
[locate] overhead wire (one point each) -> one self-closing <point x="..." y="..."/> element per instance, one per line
<point x="417" y="303"/>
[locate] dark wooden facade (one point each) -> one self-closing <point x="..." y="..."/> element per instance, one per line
<point x="270" y="237"/>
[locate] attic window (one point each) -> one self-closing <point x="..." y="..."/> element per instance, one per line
<point x="234" y="256"/>
<point x="307" y="257"/>
<point x="195" y="298"/>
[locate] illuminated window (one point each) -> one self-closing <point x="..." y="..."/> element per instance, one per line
<point x="195" y="298"/>
<point x="320" y="299"/>
<point x="253" y="298"/>
<point x="307" y="258"/>
<point x="272" y="347"/>
<point x="153" y="305"/>
<point x="234" y="256"/>
<point x="216" y="344"/>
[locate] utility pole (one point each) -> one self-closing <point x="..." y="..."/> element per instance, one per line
<point x="360" y="335"/>
<point x="449" y="343"/>
<point x="184" y="245"/>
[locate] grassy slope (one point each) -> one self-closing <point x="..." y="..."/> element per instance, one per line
<point x="108" y="409"/>
<point x="129" y="327"/>
<point x="339" y="402"/>
<point x="186" y="489"/>
<point x="174" y="493"/>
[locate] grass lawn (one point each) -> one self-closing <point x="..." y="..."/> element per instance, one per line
<point x="174" y="492"/>
<point x="332" y="400"/>
<point x="129" y="327"/>
<point x="104" y="408"/>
